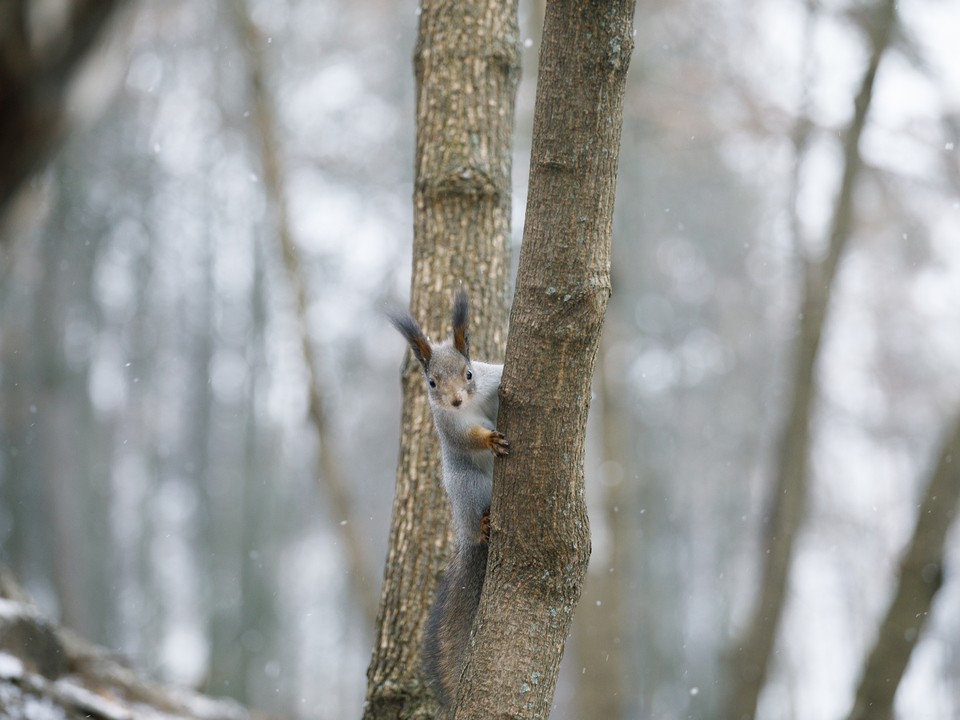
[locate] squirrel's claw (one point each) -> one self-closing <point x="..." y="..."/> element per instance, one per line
<point x="485" y="526"/>
<point x="499" y="444"/>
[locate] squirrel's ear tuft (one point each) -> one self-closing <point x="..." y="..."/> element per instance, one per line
<point x="461" y="318"/>
<point x="418" y="342"/>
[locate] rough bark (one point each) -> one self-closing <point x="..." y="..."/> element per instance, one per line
<point x="750" y="658"/>
<point x="540" y="541"/>
<point x="921" y="576"/>
<point x="34" y="80"/>
<point x="330" y="476"/>
<point x="467" y="65"/>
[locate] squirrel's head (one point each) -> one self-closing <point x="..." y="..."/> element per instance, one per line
<point x="447" y="365"/>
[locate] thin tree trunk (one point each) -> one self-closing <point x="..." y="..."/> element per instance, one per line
<point x="801" y="132"/>
<point x="467" y="65"/>
<point x="333" y="481"/>
<point x="258" y="608"/>
<point x="61" y="471"/>
<point x="921" y="576"/>
<point x="540" y="541"/>
<point x="750" y="658"/>
<point x="601" y="625"/>
<point x="220" y="527"/>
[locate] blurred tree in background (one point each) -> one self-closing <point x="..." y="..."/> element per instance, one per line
<point x="164" y="489"/>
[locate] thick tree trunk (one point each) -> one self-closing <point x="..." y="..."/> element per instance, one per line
<point x="750" y="657"/>
<point x="921" y="575"/>
<point x="467" y="66"/>
<point x="540" y="540"/>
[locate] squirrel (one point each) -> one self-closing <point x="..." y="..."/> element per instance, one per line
<point x="464" y="399"/>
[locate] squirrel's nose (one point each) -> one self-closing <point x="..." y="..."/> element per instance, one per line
<point x="456" y="402"/>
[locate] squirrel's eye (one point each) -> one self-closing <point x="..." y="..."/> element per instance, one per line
<point x="433" y="383"/>
<point x="469" y="374"/>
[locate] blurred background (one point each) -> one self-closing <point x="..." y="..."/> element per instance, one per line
<point x="164" y="489"/>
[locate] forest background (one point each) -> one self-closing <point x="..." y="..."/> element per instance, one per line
<point x="161" y="486"/>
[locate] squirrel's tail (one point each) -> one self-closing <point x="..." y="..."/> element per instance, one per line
<point x="451" y="617"/>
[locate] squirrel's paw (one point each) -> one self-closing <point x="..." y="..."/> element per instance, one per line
<point x="498" y="443"/>
<point x="485" y="526"/>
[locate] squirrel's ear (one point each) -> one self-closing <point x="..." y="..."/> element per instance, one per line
<point x="461" y="318"/>
<point x="414" y="336"/>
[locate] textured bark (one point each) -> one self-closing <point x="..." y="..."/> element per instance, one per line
<point x="921" y="576"/>
<point x="540" y="541"/>
<point x="34" y="81"/>
<point x="750" y="658"/>
<point x="467" y="65"/>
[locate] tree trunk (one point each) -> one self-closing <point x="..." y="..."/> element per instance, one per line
<point x="540" y="541"/>
<point x="751" y="656"/>
<point x="34" y="83"/>
<point x="467" y="66"/>
<point x="921" y="575"/>
<point x="333" y="481"/>
<point x="601" y="625"/>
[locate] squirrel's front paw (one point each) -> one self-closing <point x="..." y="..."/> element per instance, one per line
<point x="498" y="443"/>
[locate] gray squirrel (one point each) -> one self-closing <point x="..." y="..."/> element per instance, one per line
<point x="464" y="399"/>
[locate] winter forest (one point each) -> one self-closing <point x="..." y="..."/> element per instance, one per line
<point x="200" y="393"/>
